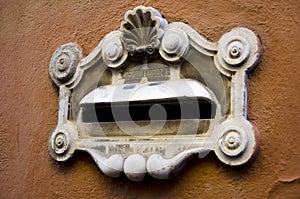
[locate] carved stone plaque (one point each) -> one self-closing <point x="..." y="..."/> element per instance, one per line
<point x="152" y="94"/>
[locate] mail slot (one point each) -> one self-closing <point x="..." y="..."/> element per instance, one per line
<point x="171" y="101"/>
<point x="152" y="94"/>
<point x="180" y="99"/>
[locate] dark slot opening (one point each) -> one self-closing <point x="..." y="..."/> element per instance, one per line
<point x="139" y="111"/>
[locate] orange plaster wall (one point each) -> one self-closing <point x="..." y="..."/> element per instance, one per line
<point x="30" y="31"/>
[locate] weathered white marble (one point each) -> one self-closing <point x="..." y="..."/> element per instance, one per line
<point x="150" y="62"/>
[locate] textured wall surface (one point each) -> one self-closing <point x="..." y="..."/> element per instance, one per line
<point x="30" y="31"/>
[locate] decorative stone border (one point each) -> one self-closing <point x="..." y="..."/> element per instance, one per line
<point x="144" y="30"/>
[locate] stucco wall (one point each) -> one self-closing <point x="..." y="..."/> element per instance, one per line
<point x="30" y="31"/>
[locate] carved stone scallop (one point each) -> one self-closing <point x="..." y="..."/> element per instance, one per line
<point x="141" y="30"/>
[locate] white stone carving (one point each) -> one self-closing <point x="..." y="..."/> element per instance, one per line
<point x="155" y="66"/>
<point x="175" y="44"/>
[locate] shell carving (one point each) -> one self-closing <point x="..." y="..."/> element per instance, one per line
<point x="141" y="31"/>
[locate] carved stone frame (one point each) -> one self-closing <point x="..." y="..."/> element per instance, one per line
<point x="232" y="137"/>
